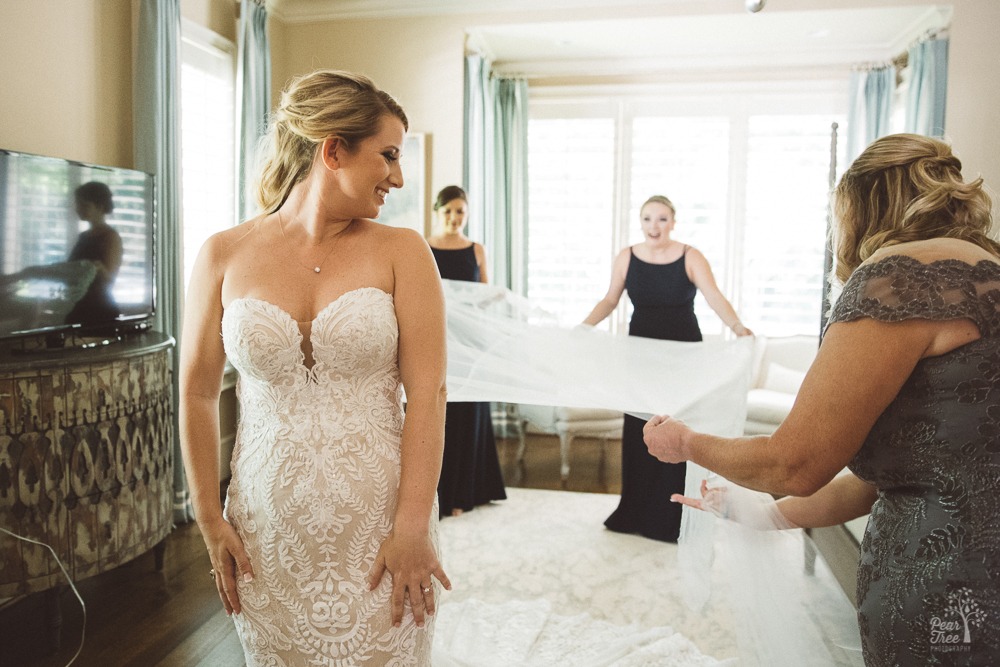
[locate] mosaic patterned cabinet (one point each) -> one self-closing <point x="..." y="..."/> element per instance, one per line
<point x="86" y="462"/>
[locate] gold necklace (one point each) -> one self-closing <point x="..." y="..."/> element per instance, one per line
<point x="318" y="267"/>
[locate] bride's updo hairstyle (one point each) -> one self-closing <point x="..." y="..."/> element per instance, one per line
<point x="906" y="187"/>
<point x="315" y="106"/>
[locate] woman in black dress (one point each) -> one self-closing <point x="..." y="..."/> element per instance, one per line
<point x="662" y="277"/>
<point x="470" y="472"/>
<point x="99" y="244"/>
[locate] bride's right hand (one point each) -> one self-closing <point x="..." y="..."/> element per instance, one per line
<point x="229" y="560"/>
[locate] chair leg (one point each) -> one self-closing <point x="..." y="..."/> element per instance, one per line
<point x="809" y="553"/>
<point x="602" y="464"/>
<point x="521" y="428"/>
<point x="564" y="441"/>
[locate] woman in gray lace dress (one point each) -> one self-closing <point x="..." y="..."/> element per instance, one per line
<point x="905" y="391"/>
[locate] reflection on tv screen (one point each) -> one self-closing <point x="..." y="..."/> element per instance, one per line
<point x="76" y="246"/>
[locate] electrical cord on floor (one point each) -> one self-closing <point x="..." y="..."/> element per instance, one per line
<point x="83" y="607"/>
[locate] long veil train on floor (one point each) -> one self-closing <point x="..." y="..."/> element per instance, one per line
<point x="502" y="348"/>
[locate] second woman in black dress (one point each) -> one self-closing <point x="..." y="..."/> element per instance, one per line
<point x="470" y="471"/>
<point x="662" y="277"/>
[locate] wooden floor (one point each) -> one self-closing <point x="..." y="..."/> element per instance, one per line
<point x="138" y="617"/>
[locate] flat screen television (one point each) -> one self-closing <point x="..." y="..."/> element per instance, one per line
<point x="76" y="249"/>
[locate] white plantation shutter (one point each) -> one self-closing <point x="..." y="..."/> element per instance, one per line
<point x="570" y="188"/>
<point x="788" y="163"/>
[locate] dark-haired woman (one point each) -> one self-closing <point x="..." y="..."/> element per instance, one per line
<point x="470" y="472"/>
<point x="101" y="245"/>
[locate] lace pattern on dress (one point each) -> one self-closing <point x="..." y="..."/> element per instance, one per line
<point x="928" y="585"/>
<point x="315" y="479"/>
<point x="900" y="287"/>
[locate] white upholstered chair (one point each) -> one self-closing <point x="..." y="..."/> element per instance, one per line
<point x="574" y="423"/>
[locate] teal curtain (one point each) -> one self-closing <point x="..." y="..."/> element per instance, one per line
<point x="496" y="169"/>
<point x="477" y="167"/>
<point x="156" y="123"/>
<point x="870" y="107"/>
<point x="254" y="83"/>
<point x="928" y="91"/>
<point x="506" y="232"/>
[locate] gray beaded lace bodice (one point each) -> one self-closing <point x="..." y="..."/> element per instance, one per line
<point x="929" y="575"/>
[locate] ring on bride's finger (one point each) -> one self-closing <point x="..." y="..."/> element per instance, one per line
<point x="211" y="573"/>
<point x="425" y="590"/>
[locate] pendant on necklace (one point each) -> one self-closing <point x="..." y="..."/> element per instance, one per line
<point x="316" y="269"/>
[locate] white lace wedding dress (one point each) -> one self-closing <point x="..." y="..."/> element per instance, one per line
<point x="315" y="479"/>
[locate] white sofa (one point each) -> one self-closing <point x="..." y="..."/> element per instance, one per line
<point x="779" y="365"/>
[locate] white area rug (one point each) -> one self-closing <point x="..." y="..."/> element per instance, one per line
<point x="538" y="580"/>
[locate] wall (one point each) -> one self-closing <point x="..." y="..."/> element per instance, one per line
<point x="974" y="92"/>
<point x="419" y="60"/>
<point x="67" y="89"/>
<point x="66" y="67"/>
<point x="67" y="72"/>
<point x="219" y="16"/>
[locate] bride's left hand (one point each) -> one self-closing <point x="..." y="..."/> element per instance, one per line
<point x="410" y="559"/>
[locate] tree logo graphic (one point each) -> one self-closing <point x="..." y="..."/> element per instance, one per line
<point x="952" y="631"/>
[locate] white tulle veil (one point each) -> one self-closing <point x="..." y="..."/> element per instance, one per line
<point x="502" y="348"/>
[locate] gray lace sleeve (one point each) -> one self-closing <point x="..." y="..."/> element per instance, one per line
<point x="900" y="288"/>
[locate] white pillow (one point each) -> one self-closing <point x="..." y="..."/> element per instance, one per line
<point x="784" y="379"/>
<point x="768" y="406"/>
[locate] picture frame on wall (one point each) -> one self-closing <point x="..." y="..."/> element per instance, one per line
<point x="407" y="206"/>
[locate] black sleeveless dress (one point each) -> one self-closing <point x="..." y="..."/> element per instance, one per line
<point x="97" y="306"/>
<point x="470" y="470"/>
<point x="662" y="307"/>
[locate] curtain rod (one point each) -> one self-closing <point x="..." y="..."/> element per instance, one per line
<point x="901" y="60"/>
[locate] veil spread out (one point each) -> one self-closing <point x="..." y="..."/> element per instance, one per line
<point x="502" y="348"/>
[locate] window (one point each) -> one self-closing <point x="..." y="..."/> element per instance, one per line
<point x="570" y="238"/>
<point x="748" y="173"/>
<point x="788" y="167"/>
<point x="208" y="135"/>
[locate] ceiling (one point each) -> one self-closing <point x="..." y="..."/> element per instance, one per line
<point x="648" y="40"/>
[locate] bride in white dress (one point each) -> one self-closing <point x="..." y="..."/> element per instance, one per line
<point x="326" y="315"/>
